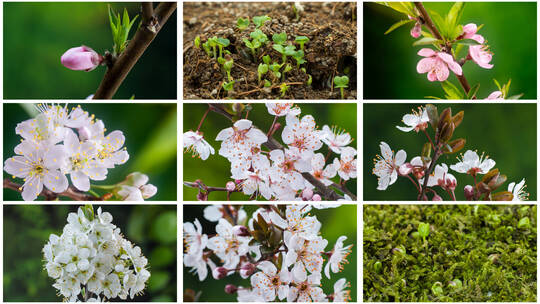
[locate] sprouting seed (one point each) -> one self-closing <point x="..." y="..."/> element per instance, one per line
<point x="242" y="24"/>
<point x="342" y="82"/>
<point x="261" y="70"/>
<point x="197" y="42"/>
<point x="279" y="38"/>
<point x="301" y="40"/>
<point x="261" y="20"/>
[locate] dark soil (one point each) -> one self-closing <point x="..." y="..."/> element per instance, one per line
<point x="331" y="51"/>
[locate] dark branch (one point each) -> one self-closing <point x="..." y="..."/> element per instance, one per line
<point x="51" y="196"/>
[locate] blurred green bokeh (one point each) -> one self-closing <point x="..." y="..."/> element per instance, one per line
<point x="37" y="34"/>
<point x="506" y="132"/>
<point x="335" y="223"/>
<point x="215" y="171"/>
<point x="27" y="229"/>
<point x="390" y="60"/>
<point x="150" y="131"/>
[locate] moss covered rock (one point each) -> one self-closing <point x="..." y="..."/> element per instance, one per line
<point x="450" y="253"/>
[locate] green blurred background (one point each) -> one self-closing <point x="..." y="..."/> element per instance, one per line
<point x="390" y="60"/>
<point x="335" y="223"/>
<point x="37" y="34"/>
<point x="215" y="171"/>
<point x="27" y="229"/>
<point x="150" y="131"/>
<point x="506" y="132"/>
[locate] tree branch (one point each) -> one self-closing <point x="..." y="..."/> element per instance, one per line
<point x="273" y="144"/>
<point x="448" y="48"/>
<point x="51" y="196"/>
<point x="147" y="13"/>
<point x="116" y="74"/>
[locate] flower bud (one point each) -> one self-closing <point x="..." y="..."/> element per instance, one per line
<point x="240" y="230"/>
<point x="230" y="289"/>
<point x="247" y="269"/>
<point x="219" y="273"/>
<point x="436" y="197"/>
<point x="405" y="169"/>
<point x="316" y="198"/>
<point x="148" y="191"/>
<point x="84" y="133"/>
<point x="136" y="179"/>
<point x="416" y="30"/>
<point x="307" y="194"/>
<point x="469" y="192"/>
<point x="202" y="196"/>
<point x="81" y="58"/>
<point x="231" y="186"/>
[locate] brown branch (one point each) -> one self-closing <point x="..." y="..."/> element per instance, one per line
<point x="116" y="74"/>
<point x="147" y="12"/>
<point x="200" y="185"/>
<point x="51" y="196"/>
<point x="433" y="29"/>
<point x="273" y="144"/>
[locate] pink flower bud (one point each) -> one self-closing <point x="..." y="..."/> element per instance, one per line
<point x="316" y="198"/>
<point x="495" y="96"/>
<point x="202" y="196"/>
<point x="240" y="230"/>
<point x="81" y="58"/>
<point x="230" y="186"/>
<point x="230" y="288"/>
<point x="246" y="270"/>
<point x="307" y="194"/>
<point x="416" y="30"/>
<point x="219" y="273"/>
<point x="469" y="192"/>
<point x="436" y="197"/>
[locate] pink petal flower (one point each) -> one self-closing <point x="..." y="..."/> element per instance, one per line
<point x="425" y="65"/>
<point x="452" y="64"/>
<point x="481" y="56"/>
<point x="425" y="52"/>
<point x="469" y="32"/>
<point x="495" y="96"/>
<point x="436" y="65"/>
<point x="81" y="58"/>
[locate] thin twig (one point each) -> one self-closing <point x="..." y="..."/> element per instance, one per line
<point x="51" y="196"/>
<point x="116" y="74"/>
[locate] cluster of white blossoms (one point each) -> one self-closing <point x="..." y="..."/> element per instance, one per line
<point x="277" y="174"/>
<point x="388" y="166"/>
<point x="60" y="142"/>
<point x="92" y="259"/>
<point x="280" y="251"/>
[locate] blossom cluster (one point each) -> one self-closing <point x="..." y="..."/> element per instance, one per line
<point x="93" y="260"/>
<point x="278" y="173"/>
<point x="388" y="166"/>
<point x="280" y="252"/>
<point x="61" y="141"/>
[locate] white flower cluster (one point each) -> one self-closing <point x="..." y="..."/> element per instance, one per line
<point x="92" y="258"/>
<point x="60" y="142"/>
<point x="277" y="174"/>
<point x="389" y="165"/>
<point x="299" y="249"/>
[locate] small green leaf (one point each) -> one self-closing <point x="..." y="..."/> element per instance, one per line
<point x="451" y="90"/>
<point x="280" y="38"/>
<point x="426" y="41"/>
<point x="260" y="20"/>
<point x="473" y="91"/>
<point x="468" y="42"/>
<point x="514" y="97"/>
<point x="524" y="223"/>
<point x="242" y="24"/>
<point x="398" y="24"/>
<point x="423" y="230"/>
<point x="433" y="115"/>
<point x="341" y="81"/>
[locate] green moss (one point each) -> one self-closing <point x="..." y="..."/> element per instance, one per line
<point x="472" y="253"/>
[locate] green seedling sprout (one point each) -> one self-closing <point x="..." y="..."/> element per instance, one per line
<point x="423" y="232"/>
<point x="280" y="38"/>
<point x="206" y="48"/>
<point x="259" y="35"/>
<point x="212" y="42"/>
<point x="252" y="45"/>
<point x="283" y="88"/>
<point x="287" y="68"/>
<point x="261" y="70"/>
<point x="266" y="59"/>
<point x="267" y="83"/>
<point x="288" y="50"/>
<point x="222" y="43"/>
<point x="242" y="24"/>
<point x="227" y="66"/>
<point x="275" y="67"/>
<point x="301" y="40"/>
<point x="228" y="86"/>
<point x="260" y="20"/>
<point x="197" y="42"/>
<point x="299" y="57"/>
<point x="341" y="82"/>
<point x="310" y="79"/>
<point x="295" y="11"/>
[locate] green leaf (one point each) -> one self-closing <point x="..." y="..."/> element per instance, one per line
<point x="467" y="42"/>
<point x="423" y="229"/>
<point x="242" y="24"/>
<point x="451" y="90"/>
<point x="440" y="23"/>
<point x="279" y="38"/>
<point x="473" y="91"/>
<point x="524" y="223"/>
<point x="455" y="13"/>
<point x="406" y="8"/>
<point x="398" y="24"/>
<point x="497" y="84"/>
<point x="426" y="41"/>
<point x="514" y="97"/>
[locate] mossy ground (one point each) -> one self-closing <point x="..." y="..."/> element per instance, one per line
<point x="491" y="249"/>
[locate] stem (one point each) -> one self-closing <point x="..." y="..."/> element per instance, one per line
<point x="272" y="126"/>
<point x="116" y="74"/>
<point x="202" y="119"/>
<point x="50" y="196"/>
<point x="414" y="183"/>
<point x="432" y="145"/>
<point x="428" y="173"/>
<point x="342" y="95"/>
<point x="433" y="29"/>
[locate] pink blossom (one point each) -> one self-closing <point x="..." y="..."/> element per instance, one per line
<point x="416" y="31"/>
<point x="436" y="64"/>
<point x="469" y="32"/>
<point x="481" y="55"/>
<point x="495" y="96"/>
<point x="81" y="58"/>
